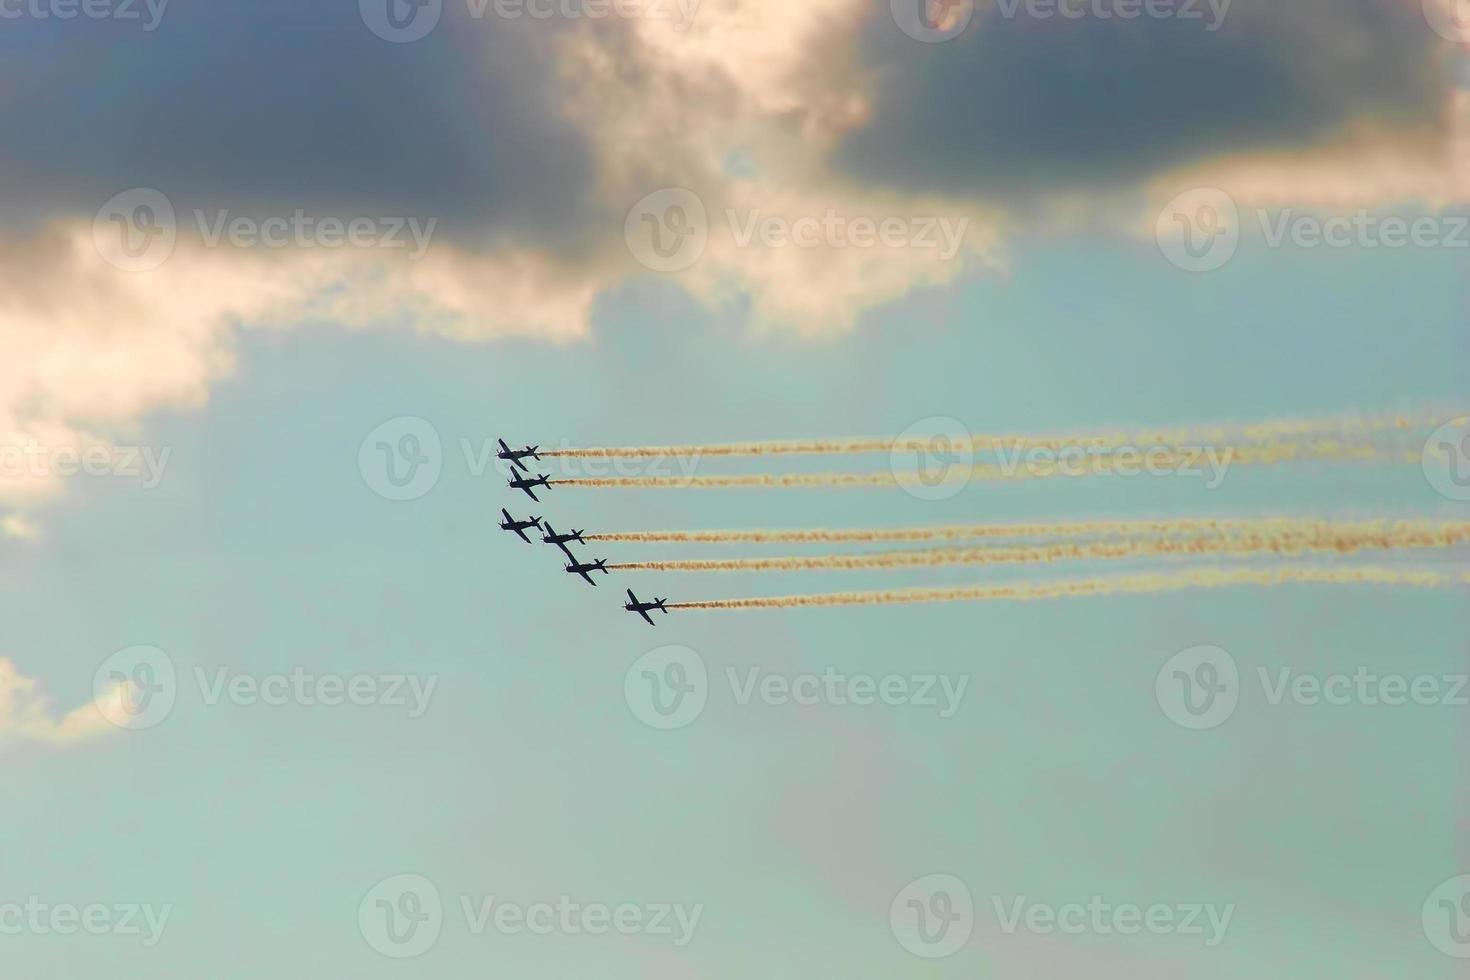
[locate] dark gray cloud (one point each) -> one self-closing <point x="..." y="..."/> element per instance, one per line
<point x="276" y="104"/>
<point x="1026" y="105"/>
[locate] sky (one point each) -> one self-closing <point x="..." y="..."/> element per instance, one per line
<point x="278" y="697"/>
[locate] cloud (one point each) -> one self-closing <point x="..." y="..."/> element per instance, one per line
<point x="532" y="141"/>
<point x="1023" y="106"/>
<point x="27" y="713"/>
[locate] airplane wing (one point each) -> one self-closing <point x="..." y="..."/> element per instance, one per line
<point x="647" y="618"/>
<point x="567" y="551"/>
<point x="632" y="598"/>
<point x="518" y="464"/>
<point x="532" y="494"/>
<point x="522" y="532"/>
<point x="588" y="578"/>
<point x="506" y="514"/>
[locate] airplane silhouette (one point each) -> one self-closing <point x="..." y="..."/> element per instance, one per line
<point x="578" y="568"/>
<point x="643" y="608"/>
<point x="514" y="456"/>
<point x="519" y="482"/>
<point x="519" y="527"/>
<point x="562" y="540"/>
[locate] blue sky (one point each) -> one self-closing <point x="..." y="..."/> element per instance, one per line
<point x="527" y="771"/>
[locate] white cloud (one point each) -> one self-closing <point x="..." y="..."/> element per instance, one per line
<point x="27" y="713"/>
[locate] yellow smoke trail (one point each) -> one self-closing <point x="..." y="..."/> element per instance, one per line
<point x="1122" y="585"/>
<point x="1161" y="460"/>
<point x="1401" y="537"/>
<point x="1064" y="529"/>
<point x="1272" y="431"/>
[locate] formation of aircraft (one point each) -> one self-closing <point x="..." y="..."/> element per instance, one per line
<point x="514" y="456"/>
<point x="519" y="527"/>
<point x="644" y="608"/>
<point x="522" y="479"/>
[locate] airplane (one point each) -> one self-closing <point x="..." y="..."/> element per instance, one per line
<point x="562" y="540"/>
<point x="578" y="568"/>
<point x="514" y="456"/>
<point x="519" y="527"/>
<point x="521" y="483"/>
<point x="642" y="608"/>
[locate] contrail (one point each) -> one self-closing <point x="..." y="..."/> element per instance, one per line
<point x="1065" y="529"/>
<point x="1399" y="538"/>
<point x="1122" y="585"/>
<point x="1345" y="427"/>
<point x="1162" y="460"/>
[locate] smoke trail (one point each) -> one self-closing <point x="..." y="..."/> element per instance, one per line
<point x="1344" y="427"/>
<point x="1161" y="460"/>
<point x="1400" y="538"/>
<point x="1123" y="585"/>
<point x="1078" y="529"/>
